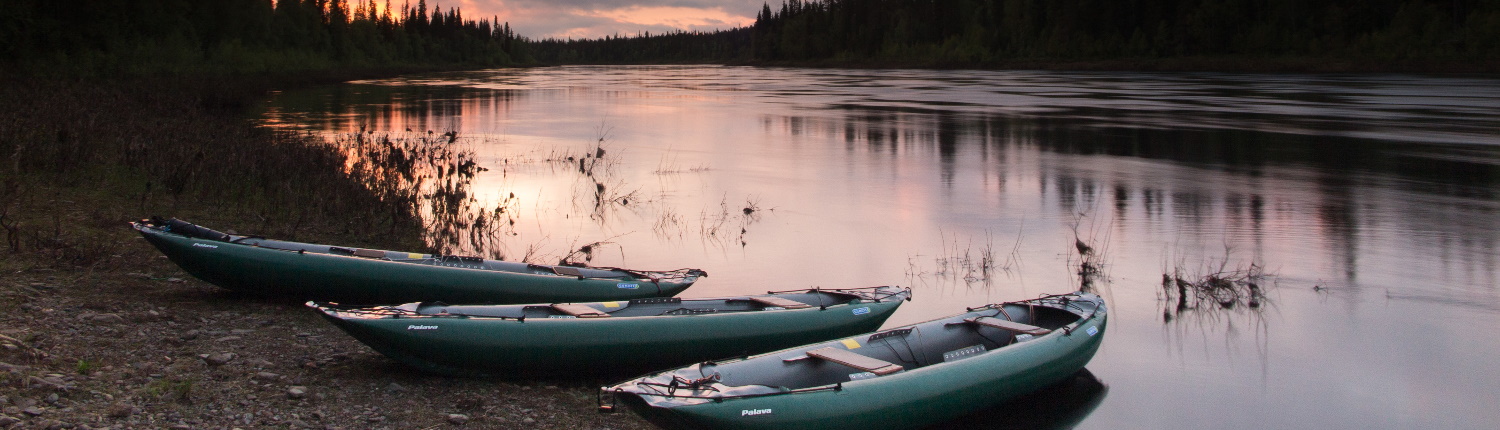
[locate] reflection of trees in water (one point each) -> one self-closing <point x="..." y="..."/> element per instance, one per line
<point x="1358" y="183"/>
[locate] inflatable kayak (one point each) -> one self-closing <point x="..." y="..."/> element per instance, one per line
<point x="609" y="337"/>
<point x="904" y="377"/>
<point x="372" y="276"/>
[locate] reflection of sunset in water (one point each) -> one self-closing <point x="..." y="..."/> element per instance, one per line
<point x="773" y="179"/>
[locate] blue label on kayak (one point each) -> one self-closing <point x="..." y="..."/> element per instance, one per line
<point x="862" y="311"/>
<point x="1093" y="330"/>
<point x="628" y="286"/>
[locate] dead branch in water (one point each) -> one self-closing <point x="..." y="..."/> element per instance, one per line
<point x="1221" y="284"/>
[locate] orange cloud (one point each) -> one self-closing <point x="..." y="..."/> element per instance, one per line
<point x="672" y="16"/>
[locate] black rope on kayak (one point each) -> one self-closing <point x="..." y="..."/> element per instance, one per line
<point x="909" y="350"/>
<point x="704" y="383"/>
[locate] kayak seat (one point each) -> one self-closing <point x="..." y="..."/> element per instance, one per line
<point x="845" y="357"/>
<point x="369" y="253"/>
<point x="1008" y="325"/>
<point x="578" y="310"/>
<point x="779" y="302"/>
<point x="567" y="271"/>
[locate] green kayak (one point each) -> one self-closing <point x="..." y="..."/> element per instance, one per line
<point x="905" y="377"/>
<point x="610" y="338"/>
<point x="353" y="275"/>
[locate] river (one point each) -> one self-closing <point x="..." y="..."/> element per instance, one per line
<point x="1366" y="208"/>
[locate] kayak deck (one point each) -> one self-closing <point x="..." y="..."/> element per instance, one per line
<point x="660" y="306"/>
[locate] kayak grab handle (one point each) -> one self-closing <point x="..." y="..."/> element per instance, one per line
<point x="606" y="394"/>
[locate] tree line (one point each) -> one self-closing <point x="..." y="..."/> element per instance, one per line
<point x="144" y="37"/>
<point x="985" y="31"/>
<point x="990" y="32"/>
<point x="136" y="37"/>
<point x="671" y="47"/>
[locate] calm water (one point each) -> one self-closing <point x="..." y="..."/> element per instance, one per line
<point x="1373" y="202"/>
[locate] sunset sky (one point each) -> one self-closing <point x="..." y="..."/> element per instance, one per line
<point x="540" y="19"/>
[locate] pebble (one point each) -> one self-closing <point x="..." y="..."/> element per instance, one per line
<point x="267" y="376"/>
<point x="7" y="420"/>
<point x="529" y="420"/>
<point x="122" y="409"/>
<point x="53" y="382"/>
<point x="395" y="388"/>
<point x="108" y="318"/>
<point x="458" y="418"/>
<point x="296" y="392"/>
<point x="190" y="335"/>
<point x="33" y="411"/>
<point x="217" y="359"/>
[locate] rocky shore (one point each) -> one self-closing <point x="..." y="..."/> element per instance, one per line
<point x="146" y="346"/>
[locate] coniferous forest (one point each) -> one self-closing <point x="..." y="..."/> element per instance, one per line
<point x="175" y="37"/>
<point x="676" y="47"/>
<point x="1369" y="34"/>
<point x="988" y="31"/>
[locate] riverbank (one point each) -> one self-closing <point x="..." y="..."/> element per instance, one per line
<point x="101" y="331"/>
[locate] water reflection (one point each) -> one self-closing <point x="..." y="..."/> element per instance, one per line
<point x="1060" y="406"/>
<point x="978" y="187"/>
<point x="382" y="108"/>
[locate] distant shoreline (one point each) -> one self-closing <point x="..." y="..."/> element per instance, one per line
<point x="1183" y="64"/>
<point x="1187" y="64"/>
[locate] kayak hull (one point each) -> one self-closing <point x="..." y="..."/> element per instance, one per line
<point x="454" y="344"/>
<point x="310" y="271"/>
<point x="912" y="398"/>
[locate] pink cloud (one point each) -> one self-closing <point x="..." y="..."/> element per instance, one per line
<point x="540" y="19"/>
